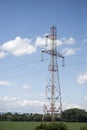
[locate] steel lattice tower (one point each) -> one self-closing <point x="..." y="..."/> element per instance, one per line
<point x="53" y="91"/>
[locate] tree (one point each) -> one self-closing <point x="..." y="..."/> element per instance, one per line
<point x="74" y="115"/>
<point x="37" y="117"/>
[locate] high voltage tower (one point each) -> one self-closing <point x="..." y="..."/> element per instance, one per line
<point x="53" y="91"/>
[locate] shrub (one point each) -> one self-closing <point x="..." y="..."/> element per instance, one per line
<point x="57" y="126"/>
<point x="42" y="126"/>
<point x="52" y="126"/>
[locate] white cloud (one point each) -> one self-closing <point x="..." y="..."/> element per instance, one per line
<point x="71" y="105"/>
<point x="68" y="106"/>
<point x="18" y="46"/>
<point x="43" y="41"/>
<point x="19" y="104"/>
<point x="68" y="41"/>
<point x="3" y="54"/>
<point x="5" y="83"/>
<point x="40" y="41"/>
<point x="59" y="42"/>
<point x="26" y="87"/>
<point x="69" y="51"/>
<point x="82" y="78"/>
<point x="23" y="46"/>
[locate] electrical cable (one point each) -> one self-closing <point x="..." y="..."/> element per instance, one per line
<point x="30" y="73"/>
<point x="38" y="61"/>
<point x="37" y="71"/>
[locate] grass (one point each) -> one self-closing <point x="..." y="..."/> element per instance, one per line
<point x="31" y="125"/>
<point x="75" y="126"/>
<point x="17" y="125"/>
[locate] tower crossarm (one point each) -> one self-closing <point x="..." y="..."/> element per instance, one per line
<point x="53" y="52"/>
<point x="60" y="55"/>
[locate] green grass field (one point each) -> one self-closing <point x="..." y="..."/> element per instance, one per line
<point x="30" y="125"/>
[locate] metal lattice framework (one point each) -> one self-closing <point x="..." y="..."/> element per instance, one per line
<point x="53" y="92"/>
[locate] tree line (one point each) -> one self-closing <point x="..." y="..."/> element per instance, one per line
<point x="70" y="115"/>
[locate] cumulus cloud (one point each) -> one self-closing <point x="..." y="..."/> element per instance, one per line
<point x="40" y="41"/>
<point x="68" y="41"/>
<point x="3" y="55"/>
<point x="18" y="47"/>
<point x="43" y="41"/>
<point x="68" y="106"/>
<point x="23" y="46"/>
<point x="5" y="83"/>
<point x="59" y="42"/>
<point x="26" y="87"/>
<point x="82" y="78"/>
<point x="18" y="104"/>
<point x="72" y="105"/>
<point x="69" y="51"/>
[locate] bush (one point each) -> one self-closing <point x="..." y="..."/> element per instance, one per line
<point x="83" y="128"/>
<point x="51" y="126"/>
<point x="42" y="126"/>
<point x="57" y="126"/>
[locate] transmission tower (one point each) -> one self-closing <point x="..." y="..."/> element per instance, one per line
<point x="53" y="91"/>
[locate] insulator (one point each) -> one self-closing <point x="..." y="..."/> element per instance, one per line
<point x="42" y="56"/>
<point x="63" y="62"/>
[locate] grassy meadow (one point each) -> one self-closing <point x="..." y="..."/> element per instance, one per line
<point x="5" y="125"/>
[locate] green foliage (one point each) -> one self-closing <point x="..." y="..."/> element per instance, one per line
<point x="42" y="127"/>
<point x="83" y="128"/>
<point x="74" y="115"/>
<point x="20" y="117"/>
<point x="57" y="126"/>
<point x="52" y="126"/>
<point x="70" y="115"/>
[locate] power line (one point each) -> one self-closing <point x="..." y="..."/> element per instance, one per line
<point x="40" y="70"/>
<point x="81" y="54"/>
<point x="23" y="64"/>
<point x="39" y="61"/>
<point x="30" y="73"/>
<point x="76" y="64"/>
<point x="18" y="66"/>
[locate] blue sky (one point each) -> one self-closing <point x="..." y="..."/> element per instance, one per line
<point x="23" y="77"/>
